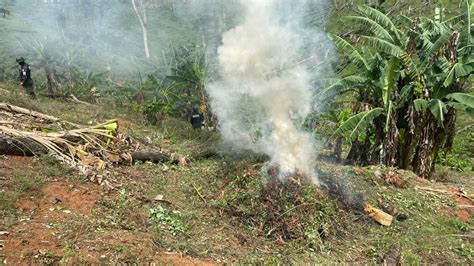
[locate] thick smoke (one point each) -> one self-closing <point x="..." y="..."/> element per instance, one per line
<point x="102" y="35"/>
<point x="267" y="80"/>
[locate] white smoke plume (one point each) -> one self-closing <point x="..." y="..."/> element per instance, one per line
<point x="266" y="84"/>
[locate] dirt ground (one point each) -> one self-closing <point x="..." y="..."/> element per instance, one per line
<point x="55" y="225"/>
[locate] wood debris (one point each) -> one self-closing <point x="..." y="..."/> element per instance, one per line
<point x="379" y="216"/>
<point x="92" y="150"/>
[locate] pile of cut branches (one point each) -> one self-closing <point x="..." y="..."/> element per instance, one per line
<point x="284" y="211"/>
<point x="92" y="150"/>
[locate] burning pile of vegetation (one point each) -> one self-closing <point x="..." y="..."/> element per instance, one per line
<point x="293" y="210"/>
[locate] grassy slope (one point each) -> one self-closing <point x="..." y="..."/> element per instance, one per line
<point x="221" y="211"/>
<point x="219" y="204"/>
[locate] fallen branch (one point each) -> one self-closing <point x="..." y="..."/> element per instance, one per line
<point x="199" y="193"/>
<point x="73" y="98"/>
<point x="444" y="192"/>
<point x="91" y="150"/>
<point x="292" y="209"/>
<point x="20" y="146"/>
<point x="35" y="114"/>
<point x="13" y="123"/>
<point x="465" y="128"/>
<point x="24" y="144"/>
<point x="146" y="199"/>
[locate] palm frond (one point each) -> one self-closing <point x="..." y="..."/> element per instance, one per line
<point x="420" y="104"/>
<point x="389" y="110"/>
<point x="340" y="86"/>
<point x="350" y="50"/>
<point x="381" y="19"/>
<point x="382" y="45"/>
<point x="458" y="70"/>
<point x="432" y="53"/>
<point x="411" y="66"/>
<point x="372" y="26"/>
<point x="438" y="109"/>
<point x="390" y="77"/>
<point x="462" y="98"/>
<point x="466" y="35"/>
<point x="356" y="125"/>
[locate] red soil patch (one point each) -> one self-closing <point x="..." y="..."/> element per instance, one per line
<point x="37" y="234"/>
<point x="49" y="231"/>
<point x="464" y="209"/>
<point x="73" y="196"/>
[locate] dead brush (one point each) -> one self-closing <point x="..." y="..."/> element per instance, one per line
<point x="283" y="210"/>
<point x="284" y="206"/>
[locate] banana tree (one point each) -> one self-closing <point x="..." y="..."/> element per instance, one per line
<point x="420" y="78"/>
<point x="188" y="78"/>
<point x="447" y="63"/>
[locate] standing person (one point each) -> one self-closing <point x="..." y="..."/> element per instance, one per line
<point x="25" y="77"/>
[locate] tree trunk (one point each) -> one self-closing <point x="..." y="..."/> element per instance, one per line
<point x="450" y="129"/>
<point x="444" y="135"/>
<point x="423" y="160"/>
<point x="20" y="147"/>
<point x="408" y="140"/>
<point x="142" y="19"/>
<point x="375" y="157"/>
<point x="358" y="153"/>
<point x="352" y="155"/>
<point x="37" y="115"/>
<point x="407" y="151"/>
<point x="154" y="157"/>
<point x="72" y="79"/>
<point x="54" y="87"/>
<point x="390" y="142"/>
<point x="338" y="150"/>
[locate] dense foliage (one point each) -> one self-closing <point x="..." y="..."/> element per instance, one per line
<point x="409" y="80"/>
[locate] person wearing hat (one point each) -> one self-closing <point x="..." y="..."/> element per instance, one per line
<point x="25" y="77"/>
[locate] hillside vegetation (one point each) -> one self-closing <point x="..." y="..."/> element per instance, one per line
<point x="393" y="127"/>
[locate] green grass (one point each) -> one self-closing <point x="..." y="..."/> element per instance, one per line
<point x="426" y="236"/>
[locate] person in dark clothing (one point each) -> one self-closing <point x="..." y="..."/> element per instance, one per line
<point x="25" y="77"/>
<point x="197" y="117"/>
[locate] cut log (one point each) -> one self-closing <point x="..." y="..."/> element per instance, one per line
<point x="207" y="153"/>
